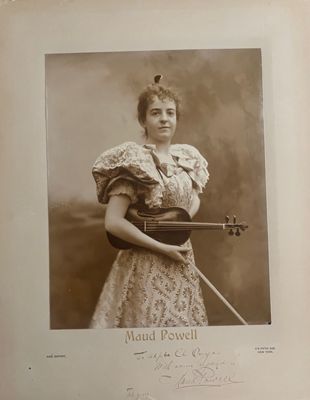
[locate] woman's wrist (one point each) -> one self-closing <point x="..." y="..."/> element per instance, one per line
<point x="159" y="247"/>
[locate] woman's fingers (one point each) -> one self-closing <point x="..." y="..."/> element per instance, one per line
<point x="183" y="249"/>
<point x="180" y="257"/>
<point x="175" y="252"/>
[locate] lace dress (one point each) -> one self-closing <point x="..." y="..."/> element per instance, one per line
<point x="144" y="288"/>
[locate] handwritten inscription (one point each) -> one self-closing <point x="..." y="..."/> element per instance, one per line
<point x="207" y="376"/>
<point x="185" y="368"/>
<point x="3" y="2"/>
<point x="133" y="394"/>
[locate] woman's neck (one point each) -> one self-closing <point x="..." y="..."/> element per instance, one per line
<point x="161" y="147"/>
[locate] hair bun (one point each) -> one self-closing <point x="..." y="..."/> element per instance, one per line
<point x="157" y="78"/>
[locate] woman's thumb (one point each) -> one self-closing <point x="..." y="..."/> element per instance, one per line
<point x="184" y="249"/>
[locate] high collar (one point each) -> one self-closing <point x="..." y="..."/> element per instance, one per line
<point x="186" y="164"/>
<point x="172" y="151"/>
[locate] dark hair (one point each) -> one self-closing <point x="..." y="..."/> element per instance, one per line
<point x="148" y="95"/>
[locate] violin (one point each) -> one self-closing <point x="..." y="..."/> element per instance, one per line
<point x="170" y="225"/>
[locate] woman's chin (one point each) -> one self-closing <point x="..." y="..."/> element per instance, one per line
<point x="164" y="135"/>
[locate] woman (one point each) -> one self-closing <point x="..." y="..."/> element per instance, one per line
<point x="152" y="284"/>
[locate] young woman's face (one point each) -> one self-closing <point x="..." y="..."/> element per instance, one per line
<point x="160" y="121"/>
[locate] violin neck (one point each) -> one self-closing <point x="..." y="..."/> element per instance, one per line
<point x="179" y="225"/>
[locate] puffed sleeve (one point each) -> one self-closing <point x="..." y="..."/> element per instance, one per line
<point x="124" y="169"/>
<point x="125" y="187"/>
<point x="195" y="165"/>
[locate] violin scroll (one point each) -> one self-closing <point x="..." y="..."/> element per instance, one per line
<point x="235" y="228"/>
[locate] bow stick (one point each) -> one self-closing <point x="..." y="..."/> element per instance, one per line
<point x="219" y="295"/>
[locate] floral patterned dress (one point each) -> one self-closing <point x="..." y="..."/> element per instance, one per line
<point x="144" y="288"/>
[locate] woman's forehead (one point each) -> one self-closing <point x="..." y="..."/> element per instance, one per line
<point x="156" y="102"/>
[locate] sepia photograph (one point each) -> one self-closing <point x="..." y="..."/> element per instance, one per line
<point x="156" y="189"/>
<point x="154" y="208"/>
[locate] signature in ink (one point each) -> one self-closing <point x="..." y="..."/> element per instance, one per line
<point x="206" y="376"/>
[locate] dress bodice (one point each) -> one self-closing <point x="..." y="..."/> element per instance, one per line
<point x="136" y="171"/>
<point x="177" y="188"/>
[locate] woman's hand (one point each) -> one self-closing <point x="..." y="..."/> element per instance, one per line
<point x="174" y="252"/>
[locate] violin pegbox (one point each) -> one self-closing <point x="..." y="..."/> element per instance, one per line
<point x="234" y="227"/>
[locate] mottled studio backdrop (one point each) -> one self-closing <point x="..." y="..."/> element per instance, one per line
<point x="91" y="106"/>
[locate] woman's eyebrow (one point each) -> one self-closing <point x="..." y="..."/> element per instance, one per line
<point x="159" y="109"/>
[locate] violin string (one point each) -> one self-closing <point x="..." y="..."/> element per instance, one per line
<point x="182" y="227"/>
<point x="179" y="228"/>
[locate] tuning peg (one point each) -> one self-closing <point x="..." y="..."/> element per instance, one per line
<point x="235" y="219"/>
<point x="231" y="232"/>
<point x="237" y="232"/>
<point x="227" y="219"/>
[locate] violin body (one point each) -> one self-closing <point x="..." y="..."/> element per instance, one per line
<point x="170" y="225"/>
<point x="149" y="222"/>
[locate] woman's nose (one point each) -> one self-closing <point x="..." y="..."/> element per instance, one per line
<point x="164" y="116"/>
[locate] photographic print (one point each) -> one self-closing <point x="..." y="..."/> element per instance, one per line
<point x="173" y="139"/>
<point x="144" y="147"/>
